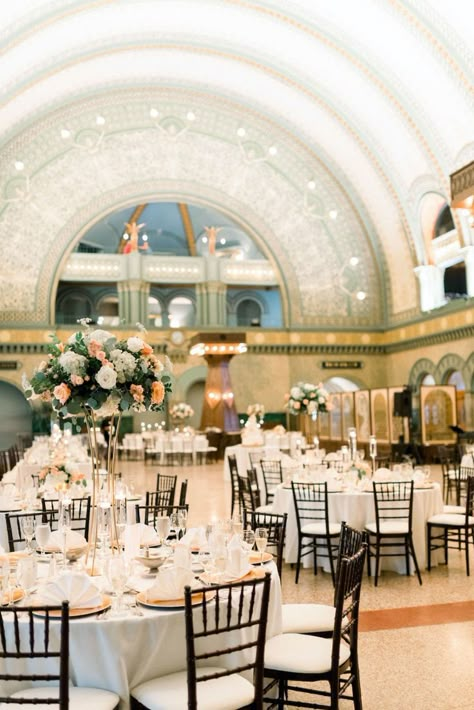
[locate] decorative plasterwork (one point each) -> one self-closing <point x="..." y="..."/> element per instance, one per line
<point x="73" y="184"/>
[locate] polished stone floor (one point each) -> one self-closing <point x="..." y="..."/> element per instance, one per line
<point x="416" y="643"/>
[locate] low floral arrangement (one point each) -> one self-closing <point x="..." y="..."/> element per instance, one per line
<point x="181" y="411"/>
<point x="94" y="370"/>
<point x="61" y="477"/>
<point x="257" y="410"/>
<point x="305" y="398"/>
<point x="363" y="469"/>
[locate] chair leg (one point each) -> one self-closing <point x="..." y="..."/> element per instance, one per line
<point x="369" y="573"/>
<point x="415" y="561"/>
<point x="446" y="548"/>
<point x="298" y="562"/>
<point x="356" y="692"/>
<point x="407" y="557"/>
<point x="377" y="560"/>
<point x="467" y="552"/>
<point x="315" y="556"/>
<point x="331" y="562"/>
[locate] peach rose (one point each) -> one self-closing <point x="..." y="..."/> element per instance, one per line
<point x="157" y="392"/>
<point x="137" y="392"/>
<point x="94" y="348"/>
<point x="62" y="392"/>
<point x="76" y="380"/>
<point x="146" y="349"/>
<point x="296" y="405"/>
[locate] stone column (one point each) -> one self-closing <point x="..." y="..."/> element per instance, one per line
<point x="431" y="280"/>
<point x="211" y="304"/>
<point x="133" y="301"/>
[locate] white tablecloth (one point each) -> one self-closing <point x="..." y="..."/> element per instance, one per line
<point x="119" y="653"/>
<point x="242" y="456"/>
<point x="468" y="460"/>
<point x="357" y="509"/>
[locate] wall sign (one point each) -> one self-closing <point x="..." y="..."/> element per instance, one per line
<point x="342" y="364"/>
<point x="9" y="365"/>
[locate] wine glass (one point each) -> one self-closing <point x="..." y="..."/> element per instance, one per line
<point x="42" y="534"/>
<point x="162" y="525"/>
<point x="182" y="519"/>
<point x="64" y="525"/>
<point x="248" y="540"/>
<point x="26" y="573"/>
<point x="220" y="562"/>
<point x="206" y="562"/>
<point x="261" y="536"/>
<point x="117" y="573"/>
<point x="27" y="527"/>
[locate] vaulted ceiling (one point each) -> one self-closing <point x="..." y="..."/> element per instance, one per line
<point x="317" y="126"/>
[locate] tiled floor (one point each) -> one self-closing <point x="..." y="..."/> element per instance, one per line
<point x="416" y="643"/>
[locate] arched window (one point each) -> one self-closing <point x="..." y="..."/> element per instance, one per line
<point x="154" y="312"/>
<point x="427" y="380"/>
<point x="249" y="313"/>
<point x="340" y="384"/>
<point x="181" y="312"/>
<point x="444" y="222"/>
<point x="455" y="282"/>
<point x="72" y="307"/>
<point x="108" y="312"/>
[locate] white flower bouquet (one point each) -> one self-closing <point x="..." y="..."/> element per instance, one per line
<point x="306" y="398"/>
<point x="181" y="411"/>
<point x="94" y="370"/>
<point x="257" y="409"/>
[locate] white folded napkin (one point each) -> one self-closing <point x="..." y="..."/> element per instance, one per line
<point x="194" y="537"/>
<point x="182" y="555"/>
<point x="170" y="583"/>
<point x="237" y="560"/>
<point x="148" y="534"/>
<point x="418" y="476"/>
<point x="75" y="587"/>
<point x="73" y="540"/>
<point x="8" y="503"/>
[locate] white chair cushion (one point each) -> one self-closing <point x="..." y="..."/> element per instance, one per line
<point x="307" y="618"/>
<point x="79" y="698"/>
<point x="264" y="509"/>
<point x="298" y="653"/>
<point x="454" y="509"/>
<point x="389" y="527"/>
<point x="320" y="529"/>
<point x="170" y="692"/>
<point x="450" y="519"/>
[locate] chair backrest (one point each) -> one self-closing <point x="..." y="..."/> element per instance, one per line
<point x="393" y="502"/>
<point x="234" y="473"/>
<point x="149" y="513"/>
<point x="161" y="499"/>
<point x="80" y="511"/>
<point x="311" y="503"/>
<point x="225" y="609"/>
<point x="25" y="636"/>
<point x="166" y="483"/>
<point x="469" y="494"/>
<point x="350" y="542"/>
<point x="183" y="492"/>
<point x="346" y="618"/>
<point x="13" y="525"/>
<point x="246" y="494"/>
<point x="272" y="475"/>
<point x="276" y="531"/>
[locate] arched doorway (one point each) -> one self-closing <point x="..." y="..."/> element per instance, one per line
<point x="19" y="419"/>
<point x="195" y="397"/>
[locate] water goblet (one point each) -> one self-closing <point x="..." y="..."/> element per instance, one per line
<point x="117" y="573"/>
<point x="248" y="540"/>
<point x="26" y="573"/>
<point x="220" y="563"/>
<point x="27" y="526"/>
<point x="162" y="525"/>
<point x="42" y="534"/>
<point x="261" y="537"/>
<point x="182" y="519"/>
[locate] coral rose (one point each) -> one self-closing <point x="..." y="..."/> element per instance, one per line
<point x="157" y="392"/>
<point x="62" y="392"/>
<point x="146" y="349"/>
<point x="137" y="393"/>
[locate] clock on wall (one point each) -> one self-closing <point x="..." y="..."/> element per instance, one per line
<point x="177" y="337"/>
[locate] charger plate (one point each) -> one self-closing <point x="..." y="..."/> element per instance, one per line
<point x="255" y="557"/>
<point x="196" y="599"/>
<point x="13" y="557"/>
<point x="76" y="613"/>
<point x="252" y="573"/>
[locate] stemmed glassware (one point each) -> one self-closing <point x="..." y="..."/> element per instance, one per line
<point x="182" y="520"/>
<point x="261" y="536"/>
<point x="42" y="534"/>
<point x="248" y="540"/>
<point x="163" y="526"/>
<point x="118" y="571"/>
<point x="64" y="526"/>
<point x="27" y="526"/>
<point x="26" y="573"/>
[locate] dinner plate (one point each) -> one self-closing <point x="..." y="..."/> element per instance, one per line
<point x="16" y="596"/>
<point x="255" y="557"/>
<point x="171" y="603"/>
<point x="77" y="613"/>
<point x="252" y="573"/>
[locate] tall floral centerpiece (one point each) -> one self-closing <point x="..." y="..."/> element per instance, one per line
<point x="305" y="398"/>
<point x="94" y="374"/>
<point x="180" y="412"/>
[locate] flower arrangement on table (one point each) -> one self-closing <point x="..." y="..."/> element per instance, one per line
<point x="258" y="410"/>
<point x="363" y="468"/>
<point x="306" y="398"/>
<point x="181" y="411"/>
<point x="95" y="371"/>
<point x="61" y="477"/>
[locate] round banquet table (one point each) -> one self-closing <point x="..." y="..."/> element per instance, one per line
<point x="357" y="509"/>
<point x="117" y="654"/>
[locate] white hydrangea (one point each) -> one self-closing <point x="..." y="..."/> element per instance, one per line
<point x="73" y="363"/>
<point x="106" y="377"/>
<point x="124" y="364"/>
<point x="296" y="393"/>
<point x="135" y="344"/>
<point x="100" y="336"/>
